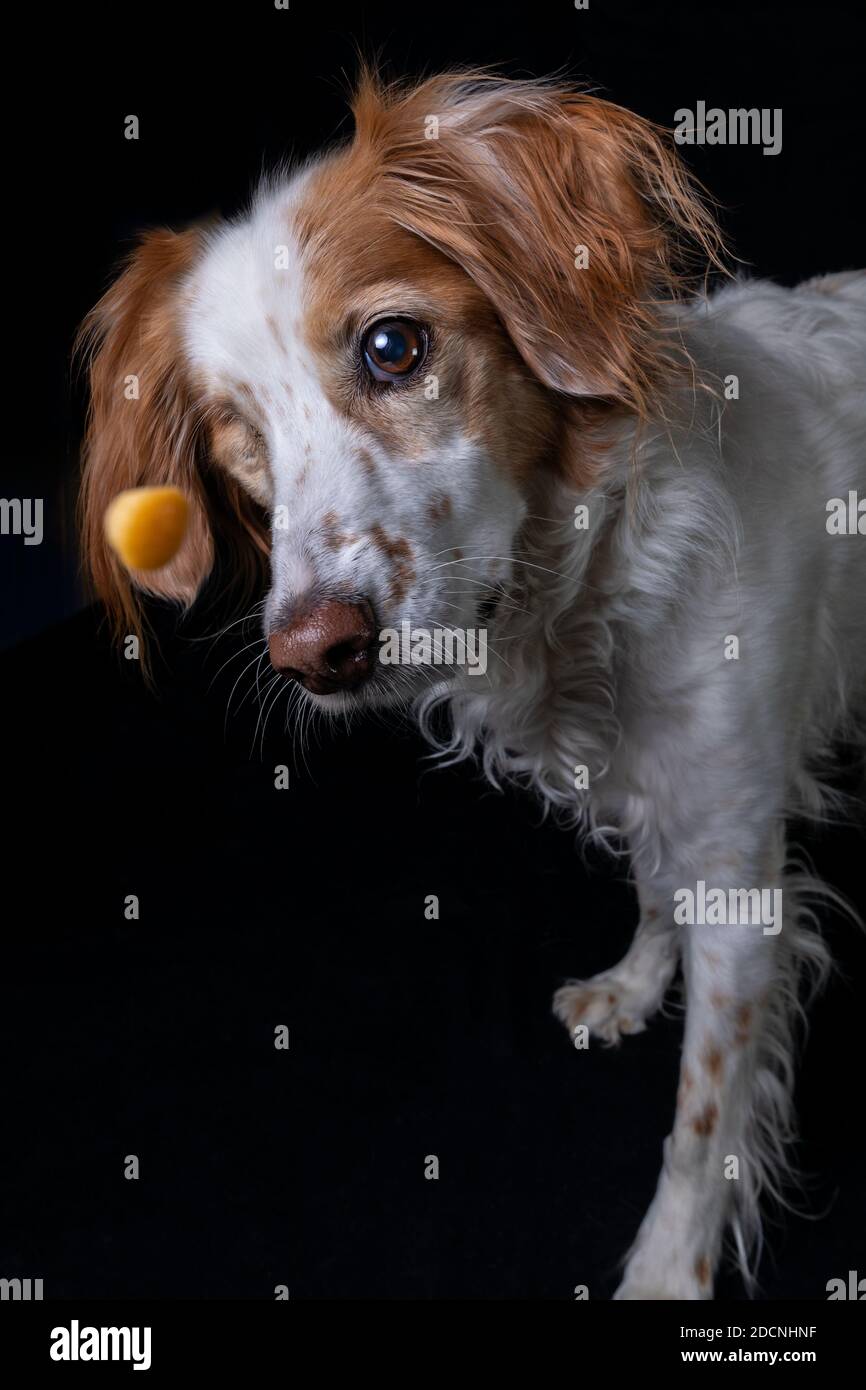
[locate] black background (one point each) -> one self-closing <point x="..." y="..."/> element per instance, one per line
<point x="305" y="907"/>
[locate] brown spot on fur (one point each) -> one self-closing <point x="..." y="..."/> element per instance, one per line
<point x="440" y="508"/>
<point x="333" y="537"/>
<point x="702" y="1271"/>
<point x="301" y="479"/>
<point x="719" y="1000"/>
<point x="714" y="1062"/>
<point x="743" y="1022"/>
<point x="652" y="914"/>
<point x="704" y="1124"/>
<point x="399" y="552"/>
<point x="367" y="462"/>
<point x="611" y="999"/>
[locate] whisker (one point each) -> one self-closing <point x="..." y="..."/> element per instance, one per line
<point x="245" y="648"/>
<point x="234" y="688"/>
<point x="281" y="685"/>
<point x="214" y="637"/>
<point x="270" y="685"/>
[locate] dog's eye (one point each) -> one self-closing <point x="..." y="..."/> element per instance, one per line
<point x="394" y="348"/>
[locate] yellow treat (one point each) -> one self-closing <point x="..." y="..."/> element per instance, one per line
<point x="146" y="526"/>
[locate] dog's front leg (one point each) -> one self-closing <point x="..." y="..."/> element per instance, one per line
<point x="712" y="1158"/>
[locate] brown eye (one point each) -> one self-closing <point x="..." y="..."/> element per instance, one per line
<point x="394" y="348"/>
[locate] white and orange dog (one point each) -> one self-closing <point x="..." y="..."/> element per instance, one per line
<point x="453" y="374"/>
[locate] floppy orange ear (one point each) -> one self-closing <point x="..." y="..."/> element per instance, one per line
<point x="574" y="216"/>
<point x="146" y="427"/>
<point x="142" y="424"/>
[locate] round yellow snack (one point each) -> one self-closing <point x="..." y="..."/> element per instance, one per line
<point x="146" y="526"/>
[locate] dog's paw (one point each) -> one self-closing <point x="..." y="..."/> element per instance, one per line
<point x="605" y="1004"/>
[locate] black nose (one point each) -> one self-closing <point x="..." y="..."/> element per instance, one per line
<point x="330" y="647"/>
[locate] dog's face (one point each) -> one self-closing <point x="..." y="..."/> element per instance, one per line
<point x="363" y="390"/>
<point x="370" y="375"/>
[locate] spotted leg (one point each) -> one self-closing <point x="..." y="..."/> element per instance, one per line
<point x="731" y="1105"/>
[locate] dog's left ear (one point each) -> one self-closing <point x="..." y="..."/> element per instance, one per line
<point x="574" y="216"/>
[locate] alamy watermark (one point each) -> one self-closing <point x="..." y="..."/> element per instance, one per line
<point x="737" y="126"/>
<point x="732" y="907"/>
<point x="21" y="1290"/>
<point x="846" y="516"/>
<point x="22" y="516"/>
<point x="77" y="1343"/>
<point x="436" y="646"/>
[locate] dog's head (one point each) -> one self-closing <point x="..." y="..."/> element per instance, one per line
<point x="371" y="374"/>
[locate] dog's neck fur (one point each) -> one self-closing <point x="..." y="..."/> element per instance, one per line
<point x="571" y="644"/>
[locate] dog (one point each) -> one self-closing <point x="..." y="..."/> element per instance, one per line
<point x="465" y="372"/>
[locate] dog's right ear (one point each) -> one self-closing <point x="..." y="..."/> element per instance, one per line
<point x="575" y="218"/>
<point x="143" y="425"/>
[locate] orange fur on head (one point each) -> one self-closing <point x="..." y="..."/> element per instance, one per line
<point x="517" y="178"/>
